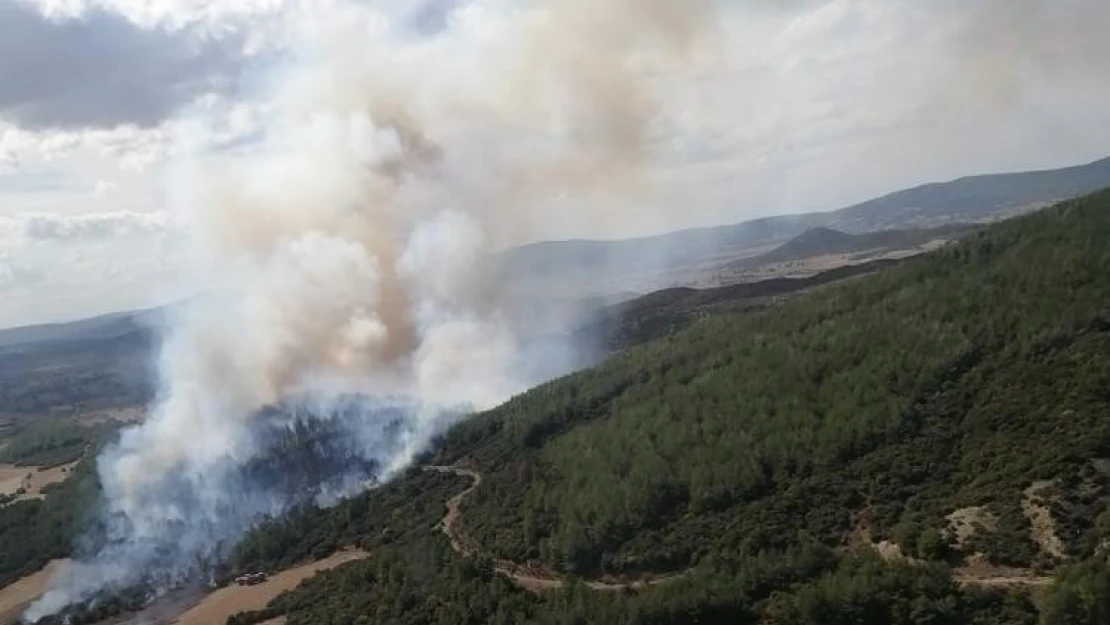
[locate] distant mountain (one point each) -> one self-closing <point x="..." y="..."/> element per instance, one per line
<point x="101" y="328"/>
<point x="969" y="199"/>
<point x="972" y="198"/>
<point x="827" y="241"/>
<point x="103" y="362"/>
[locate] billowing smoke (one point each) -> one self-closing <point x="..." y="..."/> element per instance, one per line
<point x="346" y="257"/>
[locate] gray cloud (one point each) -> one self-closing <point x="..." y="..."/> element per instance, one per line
<point x="100" y="70"/>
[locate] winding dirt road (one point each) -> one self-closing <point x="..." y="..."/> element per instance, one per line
<point x="1015" y="581"/>
<point x="539" y="579"/>
<point x="531" y="578"/>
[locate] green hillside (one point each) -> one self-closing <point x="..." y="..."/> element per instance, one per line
<point x="900" y="397"/>
<point x="759" y="454"/>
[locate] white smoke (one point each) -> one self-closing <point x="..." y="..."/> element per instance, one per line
<point x="347" y="252"/>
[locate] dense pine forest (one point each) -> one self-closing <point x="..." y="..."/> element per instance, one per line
<point x="761" y="456"/>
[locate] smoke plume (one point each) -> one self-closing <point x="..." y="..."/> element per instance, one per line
<point x="346" y="257"/>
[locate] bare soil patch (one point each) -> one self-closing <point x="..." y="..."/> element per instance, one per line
<point x="965" y="523"/>
<point x="217" y="606"/>
<point x="11" y="478"/>
<point x="1036" y="509"/>
<point x="978" y="571"/>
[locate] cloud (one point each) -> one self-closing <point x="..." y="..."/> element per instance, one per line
<point x="102" y="70"/>
<point x="40" y="181"/>
<point x="87" y="226"/>
<point x="14" y="273"/>
<point x="104" y="187"/>
<point x="172" y="14"/>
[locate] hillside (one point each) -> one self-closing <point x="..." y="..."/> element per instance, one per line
<point x="95" y="329"/>
<point x="896" y="398"/>
<point x="667" y="311"/>
<point x="749" y="468"/>
<point x="97" y="363"/>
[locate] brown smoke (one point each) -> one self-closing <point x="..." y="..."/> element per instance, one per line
<point x="351" y="245"/>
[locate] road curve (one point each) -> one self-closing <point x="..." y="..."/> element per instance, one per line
<point x="533" y="579"/>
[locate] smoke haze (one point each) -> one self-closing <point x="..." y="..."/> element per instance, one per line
<point x="345" y="257"/>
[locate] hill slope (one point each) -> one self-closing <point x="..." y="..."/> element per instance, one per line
<point x="762" y="455"/>
<point x="898" y="398"/>
<point x="664" y="312"/>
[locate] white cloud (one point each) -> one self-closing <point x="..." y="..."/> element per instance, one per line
<point x="85" y="226"/>
<point x="53" y="280"/>
<point x="103" y="187"/>
<point x="15" y="274"/>
<point x="173" y="14"/>
<point x="126" y="147"/>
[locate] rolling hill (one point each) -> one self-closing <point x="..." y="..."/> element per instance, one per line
<point x="96" y="363"/>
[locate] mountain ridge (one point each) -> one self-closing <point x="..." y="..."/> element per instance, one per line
<point x="966" y="199"/>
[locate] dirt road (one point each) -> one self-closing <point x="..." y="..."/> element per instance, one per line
<point x="531" y="578"/>
<point x="1015" y="581"/>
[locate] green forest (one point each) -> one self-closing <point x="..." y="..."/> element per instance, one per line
<point x="745" y="452"/>
<point x="35" y="532"/>
<point x="899" y="397"/>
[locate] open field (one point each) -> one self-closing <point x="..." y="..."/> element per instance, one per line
<point x="216" y="607"/>
<point x="31" y="479"/>
<point x="125" y="415"/>
<point x="15" y="597"/>
<point x="11" y="478"/>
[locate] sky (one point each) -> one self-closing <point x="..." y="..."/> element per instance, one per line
<point x="789" y="107"/>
